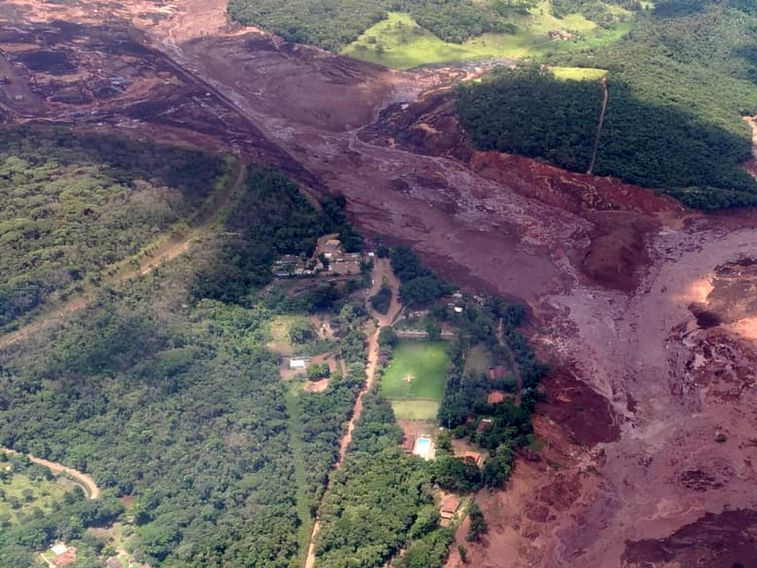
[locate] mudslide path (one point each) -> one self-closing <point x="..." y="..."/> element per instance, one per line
<point x="86" y="482"/>
<point x="214" y="210"/>
<point x="382" y="273"/>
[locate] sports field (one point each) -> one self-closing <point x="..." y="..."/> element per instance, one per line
<point x="415" y="379"/>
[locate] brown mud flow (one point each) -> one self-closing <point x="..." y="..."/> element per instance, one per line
<point x="647" y="444"/>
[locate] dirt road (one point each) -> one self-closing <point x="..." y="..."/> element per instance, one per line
<point x="86" y="482"/>
<point x="382" y="272"/>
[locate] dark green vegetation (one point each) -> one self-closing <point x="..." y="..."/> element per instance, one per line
<point x="496" y="428"/>
<point x="173" y="399"/>
<point x="333" y="24"/>
<point x="75" y="203"/>
<point x="32" y="525"/>
<point x="382" y="300"/>
<point x="382" y="501"/>
<point x="274" y="218"/>
<point x="419" y="285"/>
<point x="676" y="101"/>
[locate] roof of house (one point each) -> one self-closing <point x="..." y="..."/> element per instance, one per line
<point x="483" y="425"/>
<point x="495" y="397"/>
<point x="498" y="372"/>
<point x="408" y="443"/>
<point x="450" y="504"/>
<point x="298" y="363"/>
<point x="68" y="557"/>
<point x="475" y="457"/>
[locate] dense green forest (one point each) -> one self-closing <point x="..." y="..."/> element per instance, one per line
<point x="333" y="24"/>
<point x="172" y="398"/>
<point x="74" y="203"/>
<point x="676" y="101"/>
<point x="381" y="501"/>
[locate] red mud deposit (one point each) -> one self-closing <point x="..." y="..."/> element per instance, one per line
<point x="727" y="540"/>
<point x="647" y="444"/>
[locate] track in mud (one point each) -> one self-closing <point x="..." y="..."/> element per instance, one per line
<point x="648" y="432"/>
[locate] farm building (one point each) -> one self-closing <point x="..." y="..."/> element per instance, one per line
<point x="474" y="457"/>
<point x="495" y="397"/>
<point x="450" y="505"/>
<point x="497" y="373"/>
<point x="408" y="444"/>
<point x="483" y="425"/>
<point x="298" y="363"/>
<point x="68" y="557"/>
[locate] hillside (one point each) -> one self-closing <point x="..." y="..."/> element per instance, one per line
<point x="676" y="103"/>
<point x="418" y="32"/>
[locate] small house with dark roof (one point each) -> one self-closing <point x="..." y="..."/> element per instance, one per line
<point x="497" y="373"/>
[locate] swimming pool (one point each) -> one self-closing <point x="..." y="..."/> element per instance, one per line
<point x="424" y="448"/>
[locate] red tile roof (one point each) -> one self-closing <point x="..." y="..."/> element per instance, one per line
<point x="68" y="557"/>
<point x="450" y="504"/>
<point x="475" y="457"/>
<point x="495" y="397"/>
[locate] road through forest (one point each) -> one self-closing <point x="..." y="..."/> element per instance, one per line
<point x="382" y="273"/>
<point x="91" y="490"/>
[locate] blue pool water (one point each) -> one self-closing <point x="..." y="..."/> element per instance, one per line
<point x="423" y="445"/>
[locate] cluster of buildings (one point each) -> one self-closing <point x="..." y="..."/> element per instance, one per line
<point x="329" y="259"/>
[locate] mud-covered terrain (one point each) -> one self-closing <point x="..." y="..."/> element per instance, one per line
<point x="644" y="308"/>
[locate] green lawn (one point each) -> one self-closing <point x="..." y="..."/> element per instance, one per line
<point x="415" y="379"/>
<point x="478" y="359"/>
<point x="578" y="73"/>
<point x="399" y="42"/>
<point x="42" y="494"/>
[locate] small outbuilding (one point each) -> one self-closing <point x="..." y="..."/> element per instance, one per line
<point x="495" y="397"/>
<point x="450" y="505"/>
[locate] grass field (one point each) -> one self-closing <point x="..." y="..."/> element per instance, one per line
<point x="578" y="73"/>
<point x="399" y="42"/>
<point x="40" y="494"/>
<point x="415" y="379"/>
<point x="478" y="359"/>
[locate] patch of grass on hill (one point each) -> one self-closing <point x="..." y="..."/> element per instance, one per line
<point x="578" y="73"/>
<point x="398" y="41"/>
<point x="415" y="379"/>
<point x="20" y="495"/>
<point x="408" y="33"/>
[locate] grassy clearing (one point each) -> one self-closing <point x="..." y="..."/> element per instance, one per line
<point x="578" y="73"/>
<point x="399" y="42"/>
<point x="20" y="495"/>
<point x="415" y="409"/>
<point x="478" y="359"/>
<point x="279" y="332"/>
<point x="415" y="379"/>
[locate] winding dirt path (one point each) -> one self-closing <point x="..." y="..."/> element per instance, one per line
<point x="382" y="273"/>
<point x="217" y="207"/>
<point x="86" y="482"/>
